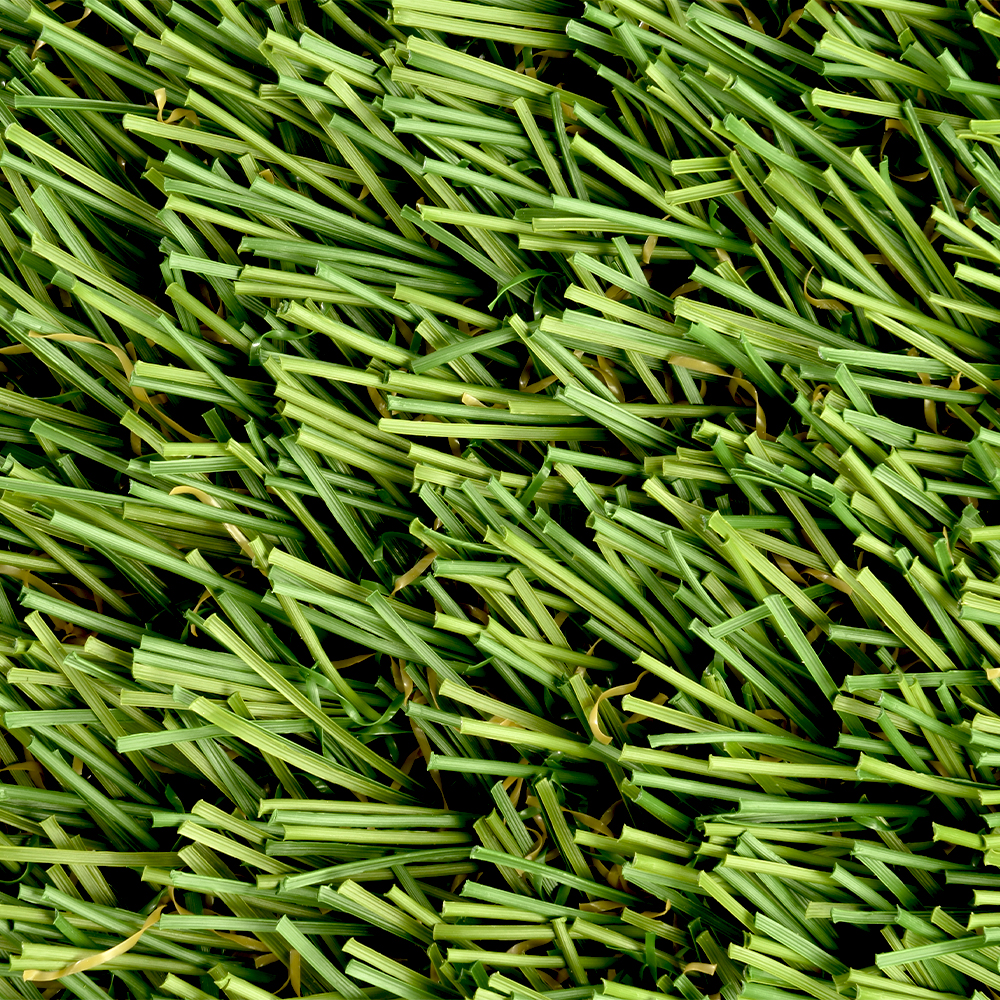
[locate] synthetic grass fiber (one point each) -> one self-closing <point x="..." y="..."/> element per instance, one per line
<point x="499" y="501"/>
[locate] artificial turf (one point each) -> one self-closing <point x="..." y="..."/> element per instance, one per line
<point x="499" y="501"/>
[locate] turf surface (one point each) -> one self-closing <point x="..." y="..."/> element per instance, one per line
<point x="499" y="502"/>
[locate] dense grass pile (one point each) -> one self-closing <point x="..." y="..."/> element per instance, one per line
<point x="499" y="501"/>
